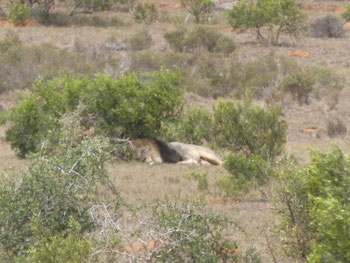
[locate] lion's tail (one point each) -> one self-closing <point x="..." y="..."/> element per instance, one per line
<point x="209" y="156"/>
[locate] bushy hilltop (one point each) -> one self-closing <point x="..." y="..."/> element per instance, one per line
<point x="252" y="80"/>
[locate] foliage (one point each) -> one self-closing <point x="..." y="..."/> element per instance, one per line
<point x="146" y="12"/>
<point x="176" y="39"/>
<point x="198" y="237"/>
<point x="224" y="45"/>
<point x="127" y="107"/>
<point x="67" y="246"/>
<point x="315" y="208"/>
<point x="243" y="173"/>
<point x="193" y="127"/>
<point x="93" y="5"/>
<point x="276" y="15"/>
<point x="55" y="187"/>
<point x="18" y="12"/>
<point x="200" y="37"/>
<point x="328" y="26"/>
<point x="346" y="14"/>
<point x="141" y="40"/>
<point x="11" y="40"/>
<point x="200" y="9"/>
<point x="202" y="180"/>
<point x="137" y="108"/>
<point x="300" y="85"/>
<point x="244" y="128"/>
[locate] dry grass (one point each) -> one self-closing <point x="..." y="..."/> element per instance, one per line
<point x="307" y="124"/>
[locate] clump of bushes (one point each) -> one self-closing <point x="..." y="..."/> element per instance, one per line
<point x="53" y="191"/>
<point x="125" y="107"/>
<point x="346" y="14"/>
<point x="200" y="37"/>
<point x="329" y="26"/>
<point x="314" y="208"/>
<point x="141" y="40"/>
<point x="17" y="12"/>
<point x="335" y="127"/>
<point x="200" y="9"/>
<point x="146" y="12"/>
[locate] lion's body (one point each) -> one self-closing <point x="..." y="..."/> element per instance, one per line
<point x="157" y="151"/>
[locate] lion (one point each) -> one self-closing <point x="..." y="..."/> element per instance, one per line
<point x="157" y="151"/>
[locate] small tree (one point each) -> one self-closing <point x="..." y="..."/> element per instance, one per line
<point x="18" y="12"/>
<point x="276" y="15"/>
<point x="200" y="9"/>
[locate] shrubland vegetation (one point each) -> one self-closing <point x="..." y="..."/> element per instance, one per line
<point x="54" y="212"/>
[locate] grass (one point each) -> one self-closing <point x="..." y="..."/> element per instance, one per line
<point x="139" y="182"/>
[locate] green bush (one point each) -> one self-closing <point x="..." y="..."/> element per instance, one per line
<point x="11" y="40"/>
<point x="244" y="173"/>
<point x="315" y="208"/>
<point x="201" y="179"/>
<point x="250" y="130"/>
<point x="200" y="37"/>
<point x="141" y="40"/>
<point x="55" y="187"/>
<point x="193" y="127"/>
<point x="17" y="12"/>
<point x="346" y="14"/>
<point x="276" y="16"/>
<point x="68" y="246"/>
<point x="146" y="12"/>
<point x="200" y="9"/>
<point x="191" y="234"/>
<point x="176" y="39"/>
<point x="125" y="107"/>
<point x="224" y="45"/>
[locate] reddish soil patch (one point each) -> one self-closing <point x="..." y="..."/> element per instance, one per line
<point x="229" y="29"/>
<point x="26" y="23"/>
<point x="347" y="26"/>
<point x="300" y="53"/>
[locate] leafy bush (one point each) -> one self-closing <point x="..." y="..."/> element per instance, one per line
<point x="11" y="40"/>
<point x="244" y="173"/>
<point x="186" y="232"/>
<point x="200" y="37"/>
<point x="202" y="180"/>
<point x="18" y="12"/>
<point x="346" y="14"/>
<point x="67" y="246"/>
<point x="56" y="187"/>
<point x="300" y="85"/>
<point x="176" y="39"/>
<point x="146" y="12"/>
<point x="277" y="16"/>
<point x="200" y="9"/>
<point x="141" y="40"/>
<point x="224" y="45"/>
<point x="315" y="208"/>
<point x="194" y="126"/>
<point x="328" y="26"/>
<point x="127" y="107"/>
<point x="248" y="129"/>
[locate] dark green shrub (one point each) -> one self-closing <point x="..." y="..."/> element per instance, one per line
<point x="138" y="108"/>
<point x="200" y="37"/>
<point x="127" y="107"/>
<point x="300" y="84"/>
<point x="250" y="130"/>
<point x="191" y="234"/>
<point x="203" y="37"/>
<point x="224" y="45"/>
<point x="176" y="39"/>
<point x="314" y="208"/>
<point x="200" y="9"/>
<point x="146" y="12"/>
<point x="346" y="14"/>
<point x="244" y="173"/>
<point x="141" y="40"/>
<point x="68" y="246"/>
<point x="17" y="12"/>
<point x="56" y="188"/>
<point x="328" y="26"/>
<point x="276" y="16"/>
<point x="193" y="126"/>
